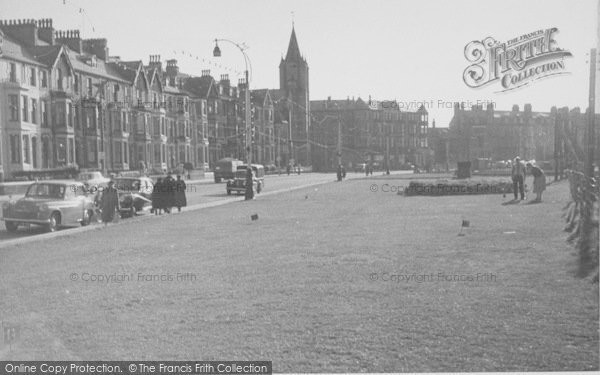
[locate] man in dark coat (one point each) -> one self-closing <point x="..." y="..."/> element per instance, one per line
<point x="180" y="199"/>
<point x="249" y="184"/>
<point x="157" y="194"/>
<point x="339" y="173"/>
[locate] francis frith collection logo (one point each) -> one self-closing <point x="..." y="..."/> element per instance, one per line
<point x="514" y="63"/>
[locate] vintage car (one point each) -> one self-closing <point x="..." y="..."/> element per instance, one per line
<point x="93" y="180"/>
<point x="225" y="169"/>
<point x="135" y="194"/>
<point x="238" y="183"/>
<point x="52" y="204"/>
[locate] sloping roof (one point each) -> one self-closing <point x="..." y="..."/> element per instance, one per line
<point x="11" y="49"/>
<point x="46" y="55"/>
<point x="102" y="69"/>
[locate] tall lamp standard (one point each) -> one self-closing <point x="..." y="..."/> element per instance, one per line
<point x="217" y="53"/>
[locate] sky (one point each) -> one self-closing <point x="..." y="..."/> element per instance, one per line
<point x="408" y="51"/>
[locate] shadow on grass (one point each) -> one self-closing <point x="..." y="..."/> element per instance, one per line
<point x="514" y="201"/>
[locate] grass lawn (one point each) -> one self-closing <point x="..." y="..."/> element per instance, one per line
<point x="308" y="286"/>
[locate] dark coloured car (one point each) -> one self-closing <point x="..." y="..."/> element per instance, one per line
<point x="51" y="204"/>
<point x="238" y="183"/>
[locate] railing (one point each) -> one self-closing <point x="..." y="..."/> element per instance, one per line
<point x="581" y="214"/>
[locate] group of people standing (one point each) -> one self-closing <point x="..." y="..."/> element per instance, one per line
<point x="518" y="174"/>
<point x="168" y="193"/>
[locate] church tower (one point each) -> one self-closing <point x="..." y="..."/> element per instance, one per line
<point x="293" y="84"/>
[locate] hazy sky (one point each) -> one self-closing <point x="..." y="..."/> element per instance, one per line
<point x="410" y="51"/>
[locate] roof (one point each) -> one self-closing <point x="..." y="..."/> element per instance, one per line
<point x="293" y="52"/>
<point x="11" y="49"/>
<point x="102" y="69"/>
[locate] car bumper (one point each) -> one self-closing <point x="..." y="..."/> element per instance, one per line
<point x="26" y="221"/>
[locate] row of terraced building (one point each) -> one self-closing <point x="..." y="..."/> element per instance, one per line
<point x="65" y="102"/>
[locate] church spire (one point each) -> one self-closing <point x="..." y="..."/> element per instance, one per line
<point x="293" y="52"/>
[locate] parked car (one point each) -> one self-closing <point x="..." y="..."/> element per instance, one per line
<point x="93" y="181"/>
<point x="238" y="183"/>
<point x="135" y="194"/>
<point x="52" y="204"/>
<point x="225" y="169"/>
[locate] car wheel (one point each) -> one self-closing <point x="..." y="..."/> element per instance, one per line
<point x="54" y="222"/>
<point x="11" y="226"/>
<point x="87" y="217"/>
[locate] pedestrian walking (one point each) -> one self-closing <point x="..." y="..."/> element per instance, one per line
<point x="339" y="173"/>
<point x="539" y="181"/>
<point x="518" y="178"/>
<point x="288" y="169"/>
<point x="180" y="199"/>
<point x="157" y="195"/>
<point x="109" y="203"/>
<point x="343" y="172"/>
<point x="298" y="169"/>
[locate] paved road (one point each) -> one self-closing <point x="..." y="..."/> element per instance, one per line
<point x="199" y="193"/>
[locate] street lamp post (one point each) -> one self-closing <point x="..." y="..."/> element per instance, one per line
<point x="217" y="53"/>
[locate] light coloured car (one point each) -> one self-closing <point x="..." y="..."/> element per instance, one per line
<point x="52" y="204"/>
<point x="93" y="180"/>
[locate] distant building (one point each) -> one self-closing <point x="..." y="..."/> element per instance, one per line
<point x="368" y="133"/>
<point x="503" y="135"/>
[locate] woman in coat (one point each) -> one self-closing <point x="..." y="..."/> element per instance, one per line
<point x="180" y="199"/>
<point x="539" y="181"/>
<point x="109" y="203"/>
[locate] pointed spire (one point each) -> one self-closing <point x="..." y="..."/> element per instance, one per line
<point x="293" y="52"/>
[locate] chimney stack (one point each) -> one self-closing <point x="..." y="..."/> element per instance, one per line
<point x="155" y="62"/>
<point x="172" y="68"/>
<point x="96" y="47"/>
<point x="71" y="39"/>
<point x="25" y="31"/>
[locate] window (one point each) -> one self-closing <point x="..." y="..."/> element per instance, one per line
<point x="157" y="154"/>
<point x="92" y="151"/>
<point x="71" y="150"/>
<point x="89" y="87"/>
<point x="13" y="102"/>
<point x="24" y="107"/>
<point x="118" y="152"/>
<point x="44" y="78"/>
<point x="69" y="112"/>
<point x="33" y="111"/>
<point x="26" y="149"/>
<point x="13" y="72"/>
<point x="34" y="151"/>
<point x="76" y="83"/>
<point x="157" y="126"/>
<point x="116" y="93"/>
<point x="59" y="79"/>
<point x="15" y="149"/>
<point x="162" y="126"/>
<point x="44" y="108"/>
<point x="32" y="80"/>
